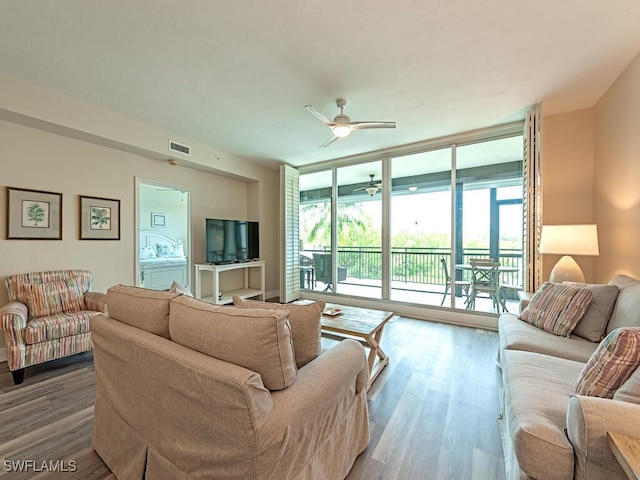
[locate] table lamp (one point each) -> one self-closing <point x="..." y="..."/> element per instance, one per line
<point x="568" y="240"/>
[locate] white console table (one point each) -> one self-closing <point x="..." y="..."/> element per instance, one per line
<point x="210" y="287"/>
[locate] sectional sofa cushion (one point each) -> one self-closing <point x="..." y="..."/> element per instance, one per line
<point x="557" y="308"/>
<point x="625" y="312"/>
<point x="594" y="323"/>
<point x="613" y="362"/>
<point x="518" y="335"/>
<point x="51" y="298"/>
<point x="141" y="308"/>
<point x="256" y="339"/>
<point x="305" y="326"/>
<point x="630" y="390"/>
<point x="536" y="392"/>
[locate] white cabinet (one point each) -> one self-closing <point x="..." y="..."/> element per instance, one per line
<point x="219" y="283"/>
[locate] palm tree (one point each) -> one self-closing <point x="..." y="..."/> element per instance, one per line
<point x="351" y="219"/>
<point x="100" y="217"/>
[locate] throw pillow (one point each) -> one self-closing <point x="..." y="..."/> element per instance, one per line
<point x="177" y="287"/>
<point x="613" y="362"/>
<point x="162" y="251"/>
<point x="259" y="340"/>
<point x="594" y="323"/>
<point x="630" y="390"/>
<point x="146" y="253"/>
<point x="305" y="325"/>
<point x="51" y="298"/>
<point x="176" y="250"/>
<point x="557" y="308"/>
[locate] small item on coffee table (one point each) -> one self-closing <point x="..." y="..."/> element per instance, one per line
<point x="332" y="312"/>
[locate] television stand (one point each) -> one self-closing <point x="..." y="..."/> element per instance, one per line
<point x="211" y="287"/>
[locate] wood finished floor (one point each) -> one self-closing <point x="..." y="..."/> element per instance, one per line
<point x="432" y="410"/>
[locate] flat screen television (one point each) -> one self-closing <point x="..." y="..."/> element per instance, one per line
<point x="229" y="241"/>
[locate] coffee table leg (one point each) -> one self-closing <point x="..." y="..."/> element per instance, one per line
<point x="376" y="351"/>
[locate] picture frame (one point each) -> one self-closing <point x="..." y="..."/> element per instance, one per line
<point x="99" y="218"/>
<point x="158" y="220"/>
<point x="33" y="214"/>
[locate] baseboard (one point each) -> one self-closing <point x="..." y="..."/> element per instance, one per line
<point x="273" y="294"/>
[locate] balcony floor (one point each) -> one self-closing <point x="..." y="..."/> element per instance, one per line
<point x="416" y="293"/>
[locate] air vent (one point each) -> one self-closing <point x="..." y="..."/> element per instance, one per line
<point x="180" y="148"/>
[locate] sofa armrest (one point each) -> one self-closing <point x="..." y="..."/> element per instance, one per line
<point x="320" y="384"/>
<point x="13" y="319"/>
<point x="96" y="301"/>
<point x="344" y="363"/>
<point x="324" y="410"/>
<point x="588" y="421"/>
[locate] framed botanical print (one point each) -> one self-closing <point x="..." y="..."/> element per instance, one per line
<point x="33" y="214"/>
<point x="158" y="220"/>
<point x="99" y="218"/>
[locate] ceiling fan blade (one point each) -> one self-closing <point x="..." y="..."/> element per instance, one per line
<point x="329" y="141"/>
<point x="365" y="125"/>
<point x="317" y="114"/>
<point x="360" y="188"/>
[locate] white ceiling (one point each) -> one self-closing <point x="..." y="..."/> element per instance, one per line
<point x="238" y="74"/>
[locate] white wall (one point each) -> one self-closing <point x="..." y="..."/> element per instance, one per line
<point x="591" y="173"/>
<point x="34" y="157"/>
<point x="617" y="176"/>
<point x="567" y="173"/>
<point x="170" y="203"/>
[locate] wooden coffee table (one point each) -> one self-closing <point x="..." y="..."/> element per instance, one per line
<point x="627" y="452"/>
<point x="363" y="325"/>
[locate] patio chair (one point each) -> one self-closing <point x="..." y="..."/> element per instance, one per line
<point x="485" y="278"/>
<point x="307" y="273"/>
<point x="322" y="268"/>
<point x="509" y="291"/>
<point x="464" y="285"/>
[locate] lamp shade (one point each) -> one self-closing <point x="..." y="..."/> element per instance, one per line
<point x="569" y="240"/>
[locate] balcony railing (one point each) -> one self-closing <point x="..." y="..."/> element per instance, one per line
<point x="418" y="265"/>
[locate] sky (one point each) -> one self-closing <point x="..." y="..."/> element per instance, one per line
<point x="431" y="213"/>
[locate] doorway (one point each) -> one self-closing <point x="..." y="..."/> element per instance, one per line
<point x="163" y="240"/>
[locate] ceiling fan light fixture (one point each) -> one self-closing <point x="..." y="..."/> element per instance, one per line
<point x="341" y="131"/>
<point x="371" y="191"/>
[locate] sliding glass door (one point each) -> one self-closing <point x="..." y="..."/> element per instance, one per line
<point x="489" y="218"/>
<point x="359" y="221"/>
<point x="405" y="227"/>
<point x="421" y="227"/>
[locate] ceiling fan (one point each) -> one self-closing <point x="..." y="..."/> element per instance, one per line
<point x="341" y="126"/>
<point x="371" y="187"/>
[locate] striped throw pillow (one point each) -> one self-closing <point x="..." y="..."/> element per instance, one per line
<point x="611" y="365"/>
<point x="557" y="308"/>
<point x="51" y="298"/>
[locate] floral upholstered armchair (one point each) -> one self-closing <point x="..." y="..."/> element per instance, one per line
<point x="47" y="317"/>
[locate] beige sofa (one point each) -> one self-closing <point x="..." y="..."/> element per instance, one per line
<point x="174" y="401"/>
<point x="548" y="433"/>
